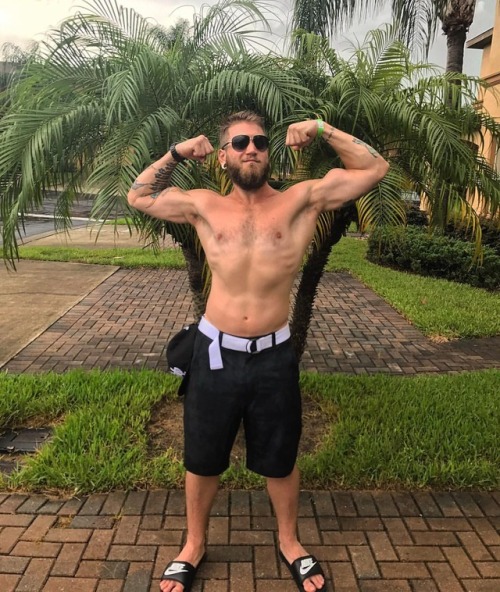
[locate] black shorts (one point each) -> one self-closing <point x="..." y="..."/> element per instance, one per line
<point x="262" y="390"/>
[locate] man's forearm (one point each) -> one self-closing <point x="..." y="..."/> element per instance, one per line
<point x="354" y="153"/>
<point x="155" y="178"/>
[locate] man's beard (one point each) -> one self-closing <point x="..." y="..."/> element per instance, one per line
<point x="249" y="179"/>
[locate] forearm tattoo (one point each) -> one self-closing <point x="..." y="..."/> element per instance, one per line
<point x="371" y="150"/>
<point x="161" y="181"/>
<point x="137" y="185"/>
<point x="330" y="134"/>
<point x="163" y="176"/>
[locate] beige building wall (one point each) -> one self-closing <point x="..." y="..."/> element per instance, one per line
<point x="489" y="99"/>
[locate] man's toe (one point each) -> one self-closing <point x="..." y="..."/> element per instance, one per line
<point x="314" y="583"/>
<point x="170" y="586"/>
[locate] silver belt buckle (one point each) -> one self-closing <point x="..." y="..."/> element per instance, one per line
<point x="252" y="346"/>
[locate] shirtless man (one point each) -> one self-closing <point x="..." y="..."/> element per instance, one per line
<point x="243" y="367"/>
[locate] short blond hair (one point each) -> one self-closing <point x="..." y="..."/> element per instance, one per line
<point x="230" y="120"/>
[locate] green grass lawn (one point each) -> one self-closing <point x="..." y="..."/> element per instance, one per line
<point x="120" y="222"/>
<point x="381" y="431"/>
<point x="123" y="257"/>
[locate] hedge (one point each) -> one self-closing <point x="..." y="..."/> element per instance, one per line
<point x="490" y="232"/>
<point x="419" y="251"/>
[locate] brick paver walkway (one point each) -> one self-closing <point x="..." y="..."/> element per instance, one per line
<point x="366" y="541"/>
<point x="128" y="319"/>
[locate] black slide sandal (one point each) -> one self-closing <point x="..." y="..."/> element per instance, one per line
<point x="303" y="568"/>
<point x="182" y="572"/>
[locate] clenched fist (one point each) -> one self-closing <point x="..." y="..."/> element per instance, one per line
<point x="300" y="135"/>
<point x="195" y="149"/>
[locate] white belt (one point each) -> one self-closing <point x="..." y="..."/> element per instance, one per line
<point x="242" y="344"/>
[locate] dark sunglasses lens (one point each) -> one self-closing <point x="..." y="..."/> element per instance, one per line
<point x="261" y="143"/>
<point x="239" y="143"/>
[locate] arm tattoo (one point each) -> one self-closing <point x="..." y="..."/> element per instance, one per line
<point x="161" y="181"/>
<point x="137" y="185"/>
<point x="153" y="197"/>
<point x="163" y="176"/>
<point x="371" y="150"/>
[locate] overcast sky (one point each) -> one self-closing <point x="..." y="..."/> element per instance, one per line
<point x="22" y="20"/>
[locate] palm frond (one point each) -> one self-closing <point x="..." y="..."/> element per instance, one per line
<point x="238" y="18"/>
<point x="274" y="91"/>
<point x="118" y="19"/>
<point x="383" y="205"/>
<point x="326" y="17"/>
<point x="418" y="22"/>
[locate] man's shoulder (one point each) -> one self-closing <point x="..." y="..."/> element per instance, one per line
<point x="204" y="193"/>
<point x="300" y="186"/>
<point x="299" y="191"/>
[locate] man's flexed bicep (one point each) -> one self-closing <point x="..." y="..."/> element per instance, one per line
<point x="151" y="191"/>
<point x="342" y="187"/>
<point x="364" y="166"/>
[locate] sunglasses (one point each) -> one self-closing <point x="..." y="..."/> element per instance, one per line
<point x="240" y="143"/>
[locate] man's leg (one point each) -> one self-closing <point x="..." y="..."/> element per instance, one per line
<point x="284" y="494"/>
<point x="200" y="495"/>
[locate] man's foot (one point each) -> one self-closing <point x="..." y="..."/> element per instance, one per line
<point x="300" y="564"/>
<point x="179" y="574"/>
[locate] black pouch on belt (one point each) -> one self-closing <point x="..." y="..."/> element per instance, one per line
<point x="180" y="352"/>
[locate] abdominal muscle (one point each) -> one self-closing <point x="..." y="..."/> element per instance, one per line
<point x="250" y="302"/>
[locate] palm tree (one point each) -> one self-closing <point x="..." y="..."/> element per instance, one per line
<point x="110" y="91"/>
<point x="398" y="107"/>
<point x="417" y="20"/>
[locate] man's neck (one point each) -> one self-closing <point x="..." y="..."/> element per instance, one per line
<point x="253" y="195"/>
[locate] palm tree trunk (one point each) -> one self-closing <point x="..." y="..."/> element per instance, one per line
<point x="312" y="273"/>
<point x="457" y="17"/>
<point x="455" y="41"/>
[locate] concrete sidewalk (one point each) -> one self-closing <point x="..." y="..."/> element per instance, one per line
<point x="38" y="293"/>
<point x="92" y="236"/>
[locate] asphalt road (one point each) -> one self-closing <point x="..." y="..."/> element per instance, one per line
<point x="41" y="220"/>
<point x="35" y="226"/>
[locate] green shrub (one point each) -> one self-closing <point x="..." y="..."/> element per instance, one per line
<point x="490" y="232"/>
<point x="415" y="216"/>
<point x="416" y="250"/>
